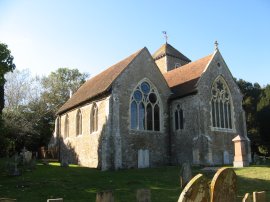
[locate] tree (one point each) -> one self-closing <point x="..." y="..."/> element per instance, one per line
<point x="59" y="84"/>
<point x="263" y="108"/>
<point x="21" y="88"/>
<point x="6" y="65"/>
<point x="251" y="96"/>
<point x="32" y="103"/>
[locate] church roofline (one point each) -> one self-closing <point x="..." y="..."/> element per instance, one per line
<point x="99" y="84"/>
<point x="168" y="50"/>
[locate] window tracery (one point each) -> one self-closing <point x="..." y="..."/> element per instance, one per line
<point x="145" y="108"/>
<point x="178" y="118"/>
<point x="221" y="105"/>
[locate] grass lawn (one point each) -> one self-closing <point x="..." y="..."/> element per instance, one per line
<point x="81" y="184"/>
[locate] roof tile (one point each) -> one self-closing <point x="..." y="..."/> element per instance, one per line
<point x="98" y="84"/>
<point x="183" y="80"/>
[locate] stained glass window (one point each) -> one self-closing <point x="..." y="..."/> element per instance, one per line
<point x="221" y="103"/>
<point x="144" y="108"/>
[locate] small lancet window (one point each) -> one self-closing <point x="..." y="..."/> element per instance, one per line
<point x="79" y="123"/>
<point x="94" y="118"/>
<point x="66" y="130"/>
<point x="145" y="108"/>
<point x="221" y="102"/>
<point x="178" y="118"/>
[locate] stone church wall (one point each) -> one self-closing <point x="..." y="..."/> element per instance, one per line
<point x="85" y="149"/>
<point x="199" y="142"/>
<point x="168" y="63"/>
<point x="182" y="139"/>
<point x="128" y="141"/>
<point x="220" y="146"/>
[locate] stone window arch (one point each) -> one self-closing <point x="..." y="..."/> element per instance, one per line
<point x="178" y="118"/>
<point x="79" y="122"/>
<point x="221" y="105"/>
<point x="145" y="108"/>
<point x="66" y="129"/>
<point x="94" y="118"/>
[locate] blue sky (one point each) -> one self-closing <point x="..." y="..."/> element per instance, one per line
<point x="93" y="35"/>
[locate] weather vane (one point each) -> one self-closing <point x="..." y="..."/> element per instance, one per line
<point x="165" y="35"/>
<point x="216" y="45"/>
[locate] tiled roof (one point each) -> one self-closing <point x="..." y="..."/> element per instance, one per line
<point x="167" y="49"/>
<point x="183" y="80"/>
<point x="97" y="85"/>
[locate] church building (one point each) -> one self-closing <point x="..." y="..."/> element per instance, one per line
<point x="153" y="110"/>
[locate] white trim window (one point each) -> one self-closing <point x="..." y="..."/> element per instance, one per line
<point x="178" y="118"/>
<point x="145" y="108"/>
<point x="79" y="123"/>
<point x="66" y="128"/>
<point x="94" y="118"/>
<point x="221" y="105"/>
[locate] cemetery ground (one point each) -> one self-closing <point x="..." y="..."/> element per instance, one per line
<point x="81" y="184"/>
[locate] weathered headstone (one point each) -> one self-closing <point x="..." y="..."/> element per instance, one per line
<point x="143" y="158"/>
<point x="105" y="196"/>
<point x="196" y="190"/>
<point x="143" y="195"/>
<point x="64" y="162"/>
<point x="55" y="200"/>
<point x="256" y="159"/>
<point x="7" y="200"/>
<point x="185" y="174"/>
<point x="226" y="159"/>
<point x="247" y="198"/>
<point x="259" y="196"/>
<point x="27" y="156"/>
<point x="223" y="186"/>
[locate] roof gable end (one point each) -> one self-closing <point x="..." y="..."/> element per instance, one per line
<point x="184" y="80"/>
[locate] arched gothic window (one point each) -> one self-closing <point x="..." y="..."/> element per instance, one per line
<point x="79" y="123"/>
<point x="94" y="118"/>
<point x="66" y="130"/>
<point x="145" y="108"/>
<point x="178" y="118"/>
<point x="221" y="105"/>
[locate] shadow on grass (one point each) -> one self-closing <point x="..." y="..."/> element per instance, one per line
<point x="250" y="185"/>
<point x="81" y="184"/>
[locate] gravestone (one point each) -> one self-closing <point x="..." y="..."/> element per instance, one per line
<point x="105" y="196"/>
<point x="64" y="162"/>
<point x="247" y="198"/>
<point x="259" y="196"/>
<point x="226" y="159"/>
<point x="55" y="200"/>
<point x="223" y="186"/>
<point x="27" y="156"/>
<point x="13" y="166"/>
<point x="196" y="190"/>
<point x="143" y="195"/>
<point x="143" y="158"/>
<point x="185" y="174"/>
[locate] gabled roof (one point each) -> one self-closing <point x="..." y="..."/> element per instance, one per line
<point x="99" y="84"/>
<point x="183" y="80"/>
<point x="167" y="49"/>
